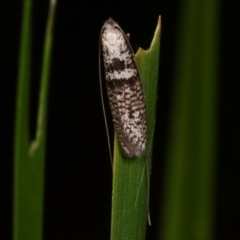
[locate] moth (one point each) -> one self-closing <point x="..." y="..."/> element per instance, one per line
<point x="124" y="88"/>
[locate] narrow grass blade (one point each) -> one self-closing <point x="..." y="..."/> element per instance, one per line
<point x="21" y="138"/>
<point x="131" y="176"/>
<point x="190" y="172"/>
<point x="29" y="158"/>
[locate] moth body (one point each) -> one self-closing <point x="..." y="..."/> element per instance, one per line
<point x="125" y="92"/>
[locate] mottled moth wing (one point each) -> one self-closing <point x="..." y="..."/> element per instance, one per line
<point x="125" y="92"/>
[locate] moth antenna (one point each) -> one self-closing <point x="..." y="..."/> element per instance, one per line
<point x="139" y="186"/>
<point x="102" y="100"/>
<point x="148" y="181"/>
<point x="148" y="194"/>
<point x="148" y="176"/>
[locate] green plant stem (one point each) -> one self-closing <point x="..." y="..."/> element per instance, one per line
<point x="189" y="194"/>
<point x="29" y="158"/>
<point x="21" y="138"/>
<point x="131" y="176"/>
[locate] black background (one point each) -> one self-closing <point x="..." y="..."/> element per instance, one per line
<point x="78" y="169"/>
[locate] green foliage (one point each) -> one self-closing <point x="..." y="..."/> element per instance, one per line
<point x="131" y="176"/>
<point x="189" y="184"/>
<point x="29" y="157"/>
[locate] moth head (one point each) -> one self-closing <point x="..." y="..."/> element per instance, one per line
<point x="110" y="32"/>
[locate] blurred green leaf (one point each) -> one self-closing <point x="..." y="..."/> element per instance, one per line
<point x="190" y="172"/>
<point x="29" y="158"/>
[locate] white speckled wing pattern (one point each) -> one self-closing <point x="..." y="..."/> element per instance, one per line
<point x="125" y="92"/>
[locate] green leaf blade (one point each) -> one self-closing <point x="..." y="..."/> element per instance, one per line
<point x="29" y="158"/>
<point x="189" y="192"/>
<point x="131" y="176"/>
